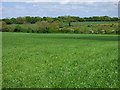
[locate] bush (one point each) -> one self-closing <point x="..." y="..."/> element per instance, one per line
<point x="77" y="30"/>
<point x="64" y="30"/>
<point x="10" y="28"/>
<point x="3" y="26"/>
<point x="54" y="27"/>
<point x="17" y="28"/>
<point x="43" y="26"/>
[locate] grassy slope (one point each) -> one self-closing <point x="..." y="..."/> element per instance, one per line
<point x="59" y="60"/>
<point x="0" y="60"/>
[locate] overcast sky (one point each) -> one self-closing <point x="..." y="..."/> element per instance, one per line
<point x="54" y="8"/>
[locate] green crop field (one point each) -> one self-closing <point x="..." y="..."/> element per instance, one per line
<point x="0" y="60"/>
<point x="32" y="60"/>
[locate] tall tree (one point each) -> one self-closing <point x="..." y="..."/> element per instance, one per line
<point x="20" y="20"/>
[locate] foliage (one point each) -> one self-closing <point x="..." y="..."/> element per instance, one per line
<point x="69" y="19"/>
<point x="61" y="25"/>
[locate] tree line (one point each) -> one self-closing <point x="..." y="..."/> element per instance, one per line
<point x="32" y="20"/>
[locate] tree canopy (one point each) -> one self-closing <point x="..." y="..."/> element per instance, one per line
<point x="32" y="20"/>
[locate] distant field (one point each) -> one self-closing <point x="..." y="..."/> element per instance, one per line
<point x="99" y="22"/>
<point x="59" y="60"/>
<point x="97" y="26"/>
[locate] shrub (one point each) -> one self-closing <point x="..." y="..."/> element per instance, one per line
<point x="54" y="27"/>
<point x="43" y="26"/>
<point x="77" y="30"/>
<point x="17" y="28"/>
<point x="64" y="30"/>
<point x="10" y="28"/>
<point x="91" y="32"/>
<point x="3" y="26"/>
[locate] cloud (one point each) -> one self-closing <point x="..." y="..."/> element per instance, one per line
<point x="60" y="1"/>
<point x="83" y="9"/>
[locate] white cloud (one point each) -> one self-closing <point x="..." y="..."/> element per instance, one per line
<point x="60" y="1"/>
<point x="63" y="1"/>
<point x="55" y="9"/>
<point x="1" y="8"/>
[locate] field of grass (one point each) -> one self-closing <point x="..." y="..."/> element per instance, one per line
<point x="0" y="60"/>
<point x="59" y="60"/>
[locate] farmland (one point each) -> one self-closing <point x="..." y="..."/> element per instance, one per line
<point x="32" y="60"/>
<point x="0" y="60"/>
